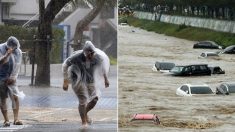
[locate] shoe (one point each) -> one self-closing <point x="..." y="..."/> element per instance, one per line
<point x="6" y="124"/>
<point x="18" y="122"/>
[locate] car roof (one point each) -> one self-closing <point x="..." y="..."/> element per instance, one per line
<point x="214" y="66"/>
<point x="191" y="65"/>
<point x="208" y="41"/>
<point x="209" y="52"/>
<point x="228" y="83"/>
<point x="196" y="85"/>
<point x="229" y="47"/>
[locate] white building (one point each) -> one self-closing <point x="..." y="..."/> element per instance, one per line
<point x="18" y="12"/>
<point x="0" y="12"/>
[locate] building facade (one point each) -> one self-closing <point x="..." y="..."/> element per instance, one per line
<point x="18" y="12"/>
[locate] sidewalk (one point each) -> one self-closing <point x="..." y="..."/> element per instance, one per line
<point x="52" y="109"/>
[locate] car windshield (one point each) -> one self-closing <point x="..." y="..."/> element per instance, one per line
<point x="164" y="65"/>
<point x="229" y="48"/>
<point x="177" y="69"/>
<point x="201" y="90"/>
<point x="223" y="87"/>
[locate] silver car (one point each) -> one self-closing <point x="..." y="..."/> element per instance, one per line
<point x="189" y="90"/>
<point x="226" y="88"/>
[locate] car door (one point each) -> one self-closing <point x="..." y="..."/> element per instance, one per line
<point x="187" y="70"/>
<point x="195" y="70"/>
<point x="204" y="70"/>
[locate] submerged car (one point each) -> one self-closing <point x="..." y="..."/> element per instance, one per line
<point x="216" y="70"/>
<point x="164" y="65"/>
<point x="226" y="88"/>
<point x="208" y="54"/>
<point x="189" y="90"/>
<point x="207" y="45"/>
<point x="229" y="50"/>
<point x="191" y="70"/>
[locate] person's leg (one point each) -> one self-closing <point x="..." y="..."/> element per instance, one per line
<point x="91" y="104"/>
<point x="4" y="112"/>
<point x="89" y="107"/>
<point x="16" y="107"/>
<point x="83" y="115"/>
<point x="82" y="109"/>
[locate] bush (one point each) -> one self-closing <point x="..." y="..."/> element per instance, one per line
<point x="57" y="46"/>
<point x="113" y="61"/>
<point x="26" y="38"/>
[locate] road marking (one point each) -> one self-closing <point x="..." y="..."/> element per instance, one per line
<point x="36" y="115"/>
<point x="103" y="119"/>
<point x="13" y="128"/>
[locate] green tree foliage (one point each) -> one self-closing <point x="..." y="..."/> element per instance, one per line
<point x="26" y="38"/>
<point x="219" y="9"/>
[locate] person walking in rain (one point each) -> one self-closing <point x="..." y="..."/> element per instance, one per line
<point x="10" y="60"/>
<point x="87" y="71"/>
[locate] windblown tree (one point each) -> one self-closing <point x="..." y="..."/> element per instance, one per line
<point x="46" y="16"/>
<point x="82" y="24"/>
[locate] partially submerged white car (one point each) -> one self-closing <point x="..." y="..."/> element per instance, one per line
<point x="163" y="66"/>
<point x="189" y="90"/>
<point x="209" y="54"/>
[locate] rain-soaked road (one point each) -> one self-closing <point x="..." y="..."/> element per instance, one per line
<point x="52" y="109"/>
<point x="142" y="90"/>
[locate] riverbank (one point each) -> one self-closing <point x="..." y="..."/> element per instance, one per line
<point x="181" y="31"/>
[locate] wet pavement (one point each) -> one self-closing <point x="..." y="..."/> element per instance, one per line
<point x="61" y="127"/>
<point x="65" y="102"/>
<point x="52" y="109"/>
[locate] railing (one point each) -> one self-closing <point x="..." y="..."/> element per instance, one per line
<point x="24" y="62"/>
<point x="88" y="4"/>
<point x="30" y="20"/>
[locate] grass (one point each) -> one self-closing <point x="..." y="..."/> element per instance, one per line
<point x="182" y="31"/>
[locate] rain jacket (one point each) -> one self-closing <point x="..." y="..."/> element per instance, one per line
<point x="15" y="57"/>
<point x="86" y="80"/>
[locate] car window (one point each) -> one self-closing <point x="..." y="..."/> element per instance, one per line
<point x="203" y="67"/>
<point x="207" y="43"/>
<point x="223" y="87"/>
<point x="185" y="89"/>
<point x="217" y="69"/>
<point x="200" y="44"/>
<point x="177" y="69"/>
<point x="231" y="88"/>
<point x="201" y="90"/>
<point x="187" y="69"/>
<point x="193" y="68"/>
<point x="212" y="54"/>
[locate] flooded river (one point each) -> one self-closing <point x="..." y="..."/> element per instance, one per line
<point x="142" y="90"/>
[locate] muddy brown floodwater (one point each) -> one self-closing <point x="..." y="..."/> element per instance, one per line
<point x="142" y="90"/>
